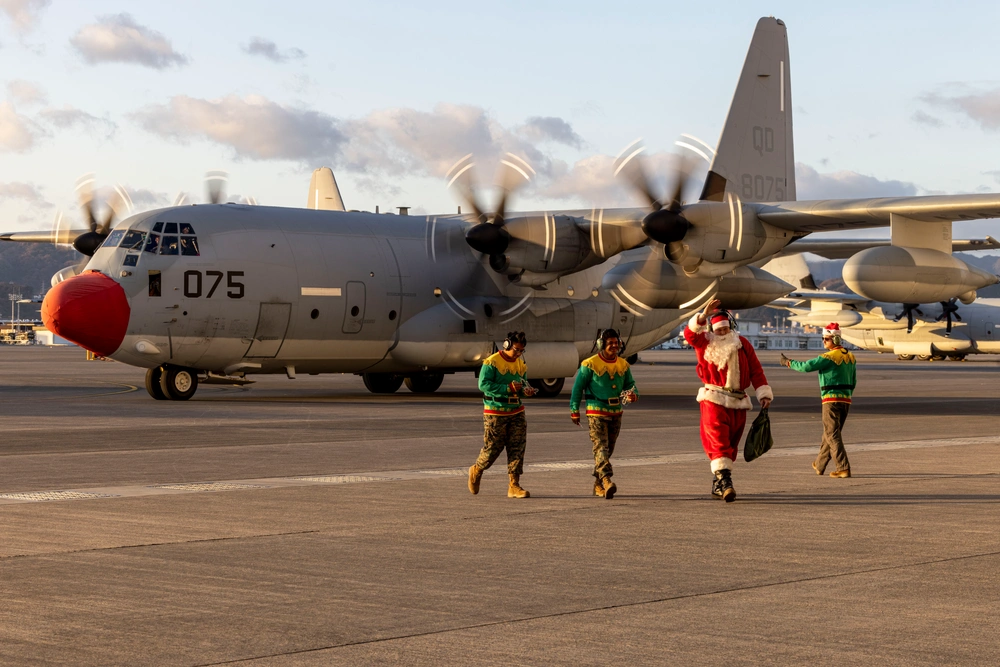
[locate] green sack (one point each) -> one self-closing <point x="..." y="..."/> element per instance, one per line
<point x="759" y="438"/>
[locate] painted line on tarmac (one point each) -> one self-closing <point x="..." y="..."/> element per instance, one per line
<point x="188" y="487"/>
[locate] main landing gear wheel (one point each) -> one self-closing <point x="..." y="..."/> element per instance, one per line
<point x="632" y="359"/>
<point x="153" y="383"/>
<point x="425" y="383"/>
<point x="178" y="384"/>
<point x="956" y="357"/>
<point x="382" y="383"/>
<point x="548" y="387"/>
<point x="904" y="357"/>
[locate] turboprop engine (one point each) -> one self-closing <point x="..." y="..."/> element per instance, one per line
<point x="655" y="283"/>
<point x="899" y="274"/>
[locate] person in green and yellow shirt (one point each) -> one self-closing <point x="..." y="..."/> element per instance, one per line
<point x="837" y="378"/>
<point x="503" y="381"/>
<point x="604" y="382"/>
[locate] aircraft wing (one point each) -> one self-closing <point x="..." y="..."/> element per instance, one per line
<point x="844" y="248"/>
<point x="798" y="296"/>
<point x="832" y="214"/>
<point x="60" y="236"/>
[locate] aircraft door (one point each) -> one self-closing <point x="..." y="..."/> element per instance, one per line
<point x="271" y="328"/>
<point x="354" y="310"/>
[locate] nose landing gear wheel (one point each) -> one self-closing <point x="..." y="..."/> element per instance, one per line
<point x="153" y="376"/>
<point x="178" y="384"/>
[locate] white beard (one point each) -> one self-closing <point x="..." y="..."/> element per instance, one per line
<point x="723" y="351"/>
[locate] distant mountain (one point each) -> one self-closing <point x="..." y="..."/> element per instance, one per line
<point x="27" y="268"/>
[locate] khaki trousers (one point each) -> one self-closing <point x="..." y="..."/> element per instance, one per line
<point x="834" y="416"/>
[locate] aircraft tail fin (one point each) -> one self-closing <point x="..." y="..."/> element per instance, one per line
<point x="324" y="195"/>
<point x="755" y="160"/>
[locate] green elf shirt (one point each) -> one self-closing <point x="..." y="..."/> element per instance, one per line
<point x="837" y="374"/>
<point x="495" y="378"/>
<point x="600" y="383"/>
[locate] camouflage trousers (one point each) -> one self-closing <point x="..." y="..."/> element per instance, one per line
<point x="604" y="434"/>
<point x="504" y="432"/>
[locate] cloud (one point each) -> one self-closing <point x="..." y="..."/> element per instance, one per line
<point x="550" y="128"/>
<point x="983" y="108"/>
<point x="118" y="38"/>
<point x="25" y="92"/>
<point x="17" y="133"/>
<point x="69" y="116"/>
<point x="811" y="184"/>
<point x="27" y="192"/>
<point x="253" y="127"/>
<point x="144" y="199"/>
<point x="259" y="46"/>
<point x="23" y="13"/>
<point x="925" y="118"/>
<point x="592" y="180"/>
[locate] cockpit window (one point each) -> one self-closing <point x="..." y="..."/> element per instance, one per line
<point x="170" y="228"/>
<point x="133" y="240"/>
<point x="189" y="245"/>
<point x="113" y="239"/>
<point x="186" y="228"/>
<point x="158" y="227"/>
<point x="152" y="243"/>
<point x="169" y="245"/>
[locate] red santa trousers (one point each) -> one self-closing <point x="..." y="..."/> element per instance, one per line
<point x="721" y="430"/>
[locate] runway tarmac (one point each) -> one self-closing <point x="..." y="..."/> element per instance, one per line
<point x="307" y="522"/>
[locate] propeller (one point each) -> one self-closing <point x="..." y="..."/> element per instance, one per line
<point x="949" y="310"/>
<point x="88" y="242"/>
<point x="489" y="236"/>
<point x="665" y="222"/>
<point x="215" y="185"/>
<point x="908" y="312"/>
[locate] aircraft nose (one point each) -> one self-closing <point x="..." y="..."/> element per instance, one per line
<point x="89" y="309"/>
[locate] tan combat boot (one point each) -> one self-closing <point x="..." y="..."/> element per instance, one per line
<point x="515" y="490"/>
<point x="609" y="488"/>
<point x="598" y="488"/>
<point x="475" y="475"/>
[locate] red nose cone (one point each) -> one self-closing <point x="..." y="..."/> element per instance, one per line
<point x="89" y="309"/>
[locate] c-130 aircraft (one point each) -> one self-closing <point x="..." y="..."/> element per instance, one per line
<point x="213" y="293"/>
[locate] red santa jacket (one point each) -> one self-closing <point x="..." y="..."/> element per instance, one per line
<point x="718" y="388"/>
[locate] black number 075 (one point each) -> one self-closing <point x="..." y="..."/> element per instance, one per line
<point x="194" y="283"/>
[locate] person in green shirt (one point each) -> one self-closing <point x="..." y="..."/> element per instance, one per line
<point x="604" y="383"/>
<point x="503" y="381"/>
<point x="837" y="378"/>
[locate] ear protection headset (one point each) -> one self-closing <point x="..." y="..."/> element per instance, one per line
<point x="602" y="340"/>
<point x="733" y="322"/>
<point x="514" y="337"/>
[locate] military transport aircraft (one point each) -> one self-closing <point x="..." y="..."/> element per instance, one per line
<point x="909" y="330"/>
<point x="216" y="292"/>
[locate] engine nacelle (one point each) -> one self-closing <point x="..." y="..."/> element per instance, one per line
<point x="899" y="274"/>
<point x="658" y="283"/>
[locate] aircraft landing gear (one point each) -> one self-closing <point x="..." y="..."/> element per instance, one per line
<point x="904" y="357"/>
<point x="548" y="387"/>
<point x="425" y="383"/>
<point x="382" y="383"/>
<point x="178" y="384"/>
<point x="153" y="383"/>
<point x="956" y="357"/>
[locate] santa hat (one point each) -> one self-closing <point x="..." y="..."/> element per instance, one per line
<point x="719" y="320"/>
<point x="832" y="329"/>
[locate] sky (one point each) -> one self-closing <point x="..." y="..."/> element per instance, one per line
<point x="893" y="99"/>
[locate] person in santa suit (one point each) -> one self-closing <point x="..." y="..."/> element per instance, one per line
<point x="728" y="365"/>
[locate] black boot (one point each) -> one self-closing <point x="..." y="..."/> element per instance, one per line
<point x="722" y="487"/>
